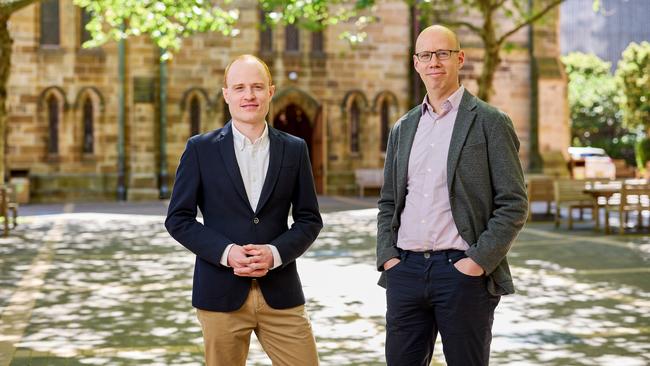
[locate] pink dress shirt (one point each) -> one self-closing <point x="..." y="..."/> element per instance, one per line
<point x="426" y="221"/>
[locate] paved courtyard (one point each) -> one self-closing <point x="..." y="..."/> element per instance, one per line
<point x="105" y="285"/>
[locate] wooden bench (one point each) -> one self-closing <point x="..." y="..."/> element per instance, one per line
<point x="8" y="208"/>
<point x="368" y="178"/>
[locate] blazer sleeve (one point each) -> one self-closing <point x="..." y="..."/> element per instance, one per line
<point x="509" y="196"/>
<point x="181" y="220"/>
<point x="307" y="221"/>
<point x="385" y="243"/>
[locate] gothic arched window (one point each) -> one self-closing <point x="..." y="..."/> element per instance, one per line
<point x="84" y="19"/>
<point x="195" y="116"/>
<point x="292" y="38"/>
<point x="384" y="124"/>
<point x="50" y="23"/>
<point x="88" y="118"/>
<point x="317" y="42"/>
<point x="53" y="124"/>
<point x="355" y="125"/>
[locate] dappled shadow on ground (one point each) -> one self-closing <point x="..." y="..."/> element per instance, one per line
<point x="116" y="291"/>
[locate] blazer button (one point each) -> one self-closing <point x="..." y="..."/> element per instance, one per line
<point x="256" y="221"/>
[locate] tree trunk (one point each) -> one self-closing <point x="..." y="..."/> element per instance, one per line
<point x="5" y="69"/>
<point x="491" y="62"/>
<point x="492" y="49"/>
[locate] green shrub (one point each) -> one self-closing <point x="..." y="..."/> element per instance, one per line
<point x="594" y="102"/>
<point x="642" y="153"/>
<point x="633" y="75"/>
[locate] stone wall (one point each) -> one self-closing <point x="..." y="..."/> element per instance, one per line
<point x="322" y="87"/>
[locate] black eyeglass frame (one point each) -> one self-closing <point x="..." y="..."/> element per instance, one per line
<point x="419" y="55"/>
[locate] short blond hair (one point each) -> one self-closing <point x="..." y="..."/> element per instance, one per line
<point x="247" y="57"/>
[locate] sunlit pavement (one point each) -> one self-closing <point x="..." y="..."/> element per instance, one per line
<point x="85" y="288"/>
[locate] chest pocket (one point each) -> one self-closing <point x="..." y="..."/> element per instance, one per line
<point x="479" y="147"/>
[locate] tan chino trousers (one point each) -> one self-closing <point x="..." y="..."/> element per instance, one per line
<point x="285" y="334"/>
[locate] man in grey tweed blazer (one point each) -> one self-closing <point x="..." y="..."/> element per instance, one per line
<point x="452" y="204"/>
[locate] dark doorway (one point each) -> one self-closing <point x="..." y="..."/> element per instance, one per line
<point x="293" y="120"/>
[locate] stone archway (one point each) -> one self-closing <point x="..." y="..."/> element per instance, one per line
<point x="299" y="114"/>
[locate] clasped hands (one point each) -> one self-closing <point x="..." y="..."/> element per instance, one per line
<point x="250" y="260"/>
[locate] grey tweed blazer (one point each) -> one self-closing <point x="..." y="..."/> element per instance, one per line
<point x="486" y="187"/>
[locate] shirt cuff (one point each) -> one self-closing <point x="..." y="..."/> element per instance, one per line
<point x="277" y="261"/>
<point x="224" y="256"/>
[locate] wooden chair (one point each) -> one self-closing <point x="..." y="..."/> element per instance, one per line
<point x="569" y="193"/>
<point x="554" y="164"/>
<point x="623" y="170"/>
<point x="540" y="189"/>
<point x="8" y="205"/>
<point x="634" y="197"/>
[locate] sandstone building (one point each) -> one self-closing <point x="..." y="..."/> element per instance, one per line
<point x="76" y="138"/>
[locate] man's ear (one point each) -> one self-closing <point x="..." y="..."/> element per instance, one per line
<point x="271" y="91"/>
<point x="224" y="93"/>
<point x="461" y="59"/>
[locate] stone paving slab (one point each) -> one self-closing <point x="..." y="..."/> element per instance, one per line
<point x="159" y="207"/>
<point x="114" y="289"/>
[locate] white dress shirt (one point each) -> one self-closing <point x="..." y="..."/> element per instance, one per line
<point x="253" y="161"/>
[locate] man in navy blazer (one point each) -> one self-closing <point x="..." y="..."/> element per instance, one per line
<point x="245" y="178"/>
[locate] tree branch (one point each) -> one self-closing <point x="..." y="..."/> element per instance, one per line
<point x="470" y="26"/>
<point x="498" y="4"/>
<point x="530" y="20"/>
<point x="10" y="6"/>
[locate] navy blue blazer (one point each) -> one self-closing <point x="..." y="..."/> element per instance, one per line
<point x="208" y="177"/>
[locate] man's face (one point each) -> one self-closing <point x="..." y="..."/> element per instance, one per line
<point x="439" y="76"/>
<point x="248" y="93"/>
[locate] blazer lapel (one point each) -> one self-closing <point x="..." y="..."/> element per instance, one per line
<point x="227" y="152"/>
<point x="464" y="121"/>
<point x="276" y="152"/>
<point x="406" y="136"/>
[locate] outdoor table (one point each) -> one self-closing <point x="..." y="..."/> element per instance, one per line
<point x="606" y="190"/>
<point x="599" y="190"/>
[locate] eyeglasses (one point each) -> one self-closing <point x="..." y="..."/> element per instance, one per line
<point x="426" y="56"/>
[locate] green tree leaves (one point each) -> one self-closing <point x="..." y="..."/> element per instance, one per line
<point x="167" y="22"/>
<point x="594" y="97"/>
<point x="633" y="75"/>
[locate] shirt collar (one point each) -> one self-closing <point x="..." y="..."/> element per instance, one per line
<point x="242" y="141"/>
<point x="454" y="100"/>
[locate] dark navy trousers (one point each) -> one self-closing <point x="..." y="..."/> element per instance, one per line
<point x="427" y="295"/>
